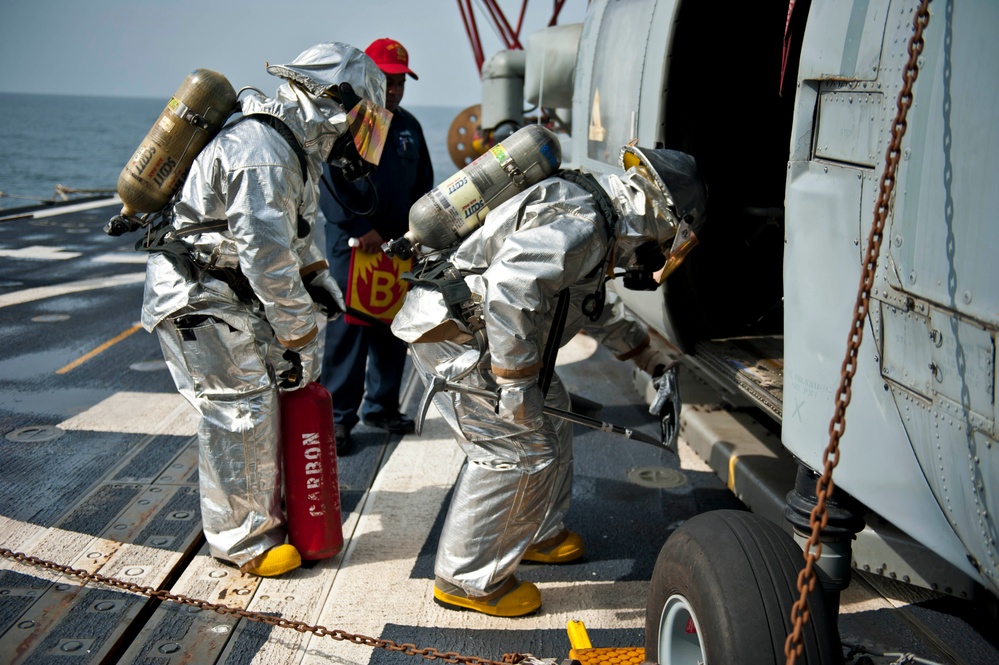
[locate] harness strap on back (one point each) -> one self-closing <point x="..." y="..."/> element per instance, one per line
<point x="165" y="238"/>
<point x="445" y="278"/>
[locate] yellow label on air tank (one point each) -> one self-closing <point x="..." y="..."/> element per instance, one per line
<point x="467" y="206"/>
<point x="166" y="123"/>
<point x="499" y="152"/>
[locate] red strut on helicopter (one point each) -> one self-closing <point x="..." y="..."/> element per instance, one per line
<point x="507" y="34"/>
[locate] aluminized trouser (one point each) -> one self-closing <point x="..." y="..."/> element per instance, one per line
<point x="221" y="371"/>
<point x="513" y="489"/>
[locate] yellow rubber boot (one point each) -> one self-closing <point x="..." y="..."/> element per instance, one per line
<point x="275" y="561"/>
<point x="563" y="548"/>
<point x="514" y="599"/>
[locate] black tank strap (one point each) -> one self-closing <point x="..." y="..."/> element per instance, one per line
<point x="593" y="304"/>
<point x="164" y="238"/>
<point x="450" y="281"/>
<point x="553" y="342"/>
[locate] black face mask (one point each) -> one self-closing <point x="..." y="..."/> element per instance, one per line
<point x="344" y="154"/>
<point x="638" y="276"/>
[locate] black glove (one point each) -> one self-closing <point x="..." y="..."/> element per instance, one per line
<point x="667" y="405"/>
<point x="298" y="367"/>
<point x="325" y="293"/>
<point x="291" y="377"/>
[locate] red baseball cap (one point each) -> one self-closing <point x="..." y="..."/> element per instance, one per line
<point x="390" y="56"/>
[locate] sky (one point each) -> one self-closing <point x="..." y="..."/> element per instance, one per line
<point x="142" y="48"/>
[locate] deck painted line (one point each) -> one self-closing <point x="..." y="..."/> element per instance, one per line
<point x="39" y="253"/>
<point x="42" y="292"/>
<point x="77" y="550"/>
<point x="119" y="257"/>
<point x="64" y="210"/>
<point x="99" y="350"/>
<point x="138" y="413"/>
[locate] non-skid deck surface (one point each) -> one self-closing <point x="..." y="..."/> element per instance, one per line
<point x="116" y="494"/>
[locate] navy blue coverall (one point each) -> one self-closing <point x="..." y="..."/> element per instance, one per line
<point x="358" y="355"/>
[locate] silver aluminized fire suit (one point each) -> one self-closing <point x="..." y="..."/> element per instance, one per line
<point x="515" y="486"/>
<point x="227" y="349"/>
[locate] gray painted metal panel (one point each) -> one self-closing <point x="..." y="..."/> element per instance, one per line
<point x="844" y="40"/>
<point x="943" y="232"/>
<point x="931" y="374"/>
<point x="551" y="65"/>
<point x="615" y="90"/>
<point x="963" y="366"/>
<point x="614" y="104"/>
<point x="822" y="270"/>
<point x="906" y="349"/>
<point x="850" y="127"/>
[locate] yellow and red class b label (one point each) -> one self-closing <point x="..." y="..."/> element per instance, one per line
<point x="376" y="287"/>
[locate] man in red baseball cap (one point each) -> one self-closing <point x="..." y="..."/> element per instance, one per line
<point x="390" y="56"/>
<point x="364" y="359"/>
<point x="393" y="59"/>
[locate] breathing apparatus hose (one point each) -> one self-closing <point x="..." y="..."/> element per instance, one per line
<point x="374" y="197"/>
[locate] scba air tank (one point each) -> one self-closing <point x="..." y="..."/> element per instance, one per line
<point x="457" y="206"/>
<point x="191" y="118"/>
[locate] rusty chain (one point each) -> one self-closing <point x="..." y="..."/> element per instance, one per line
<point x="429" y="653"/>
<point x="824" y="486"/>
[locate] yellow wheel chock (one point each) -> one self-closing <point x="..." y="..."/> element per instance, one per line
<point x="584" y="652"/>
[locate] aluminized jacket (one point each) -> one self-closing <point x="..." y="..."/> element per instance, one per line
<point x="515" y="486"/>
<point x="226" y="349"/>
<point x="250" y="179"/>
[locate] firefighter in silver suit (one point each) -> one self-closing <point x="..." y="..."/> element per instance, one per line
<point x="556" y="237"/>
<point x="238" y="293"/>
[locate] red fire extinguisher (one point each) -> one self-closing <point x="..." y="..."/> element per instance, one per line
<point x="311" y="488"/>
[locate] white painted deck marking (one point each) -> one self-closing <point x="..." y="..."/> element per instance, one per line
<point x="130" y="257"/>
<point x="39" y="253"/>
<point x="64" y="210"/>
<point x="138" y="413"/>
<point x="42" y="292"/>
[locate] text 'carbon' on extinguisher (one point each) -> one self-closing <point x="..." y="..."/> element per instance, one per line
<point x="311" y="487"/>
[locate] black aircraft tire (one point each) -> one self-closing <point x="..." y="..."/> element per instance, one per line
<point x="734" y="575"/>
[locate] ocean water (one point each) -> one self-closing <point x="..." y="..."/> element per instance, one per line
<point x="83" y="142"/>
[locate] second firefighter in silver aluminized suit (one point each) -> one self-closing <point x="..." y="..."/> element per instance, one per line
<point x="241" y="318"/>
<point x="513" y="492"/>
